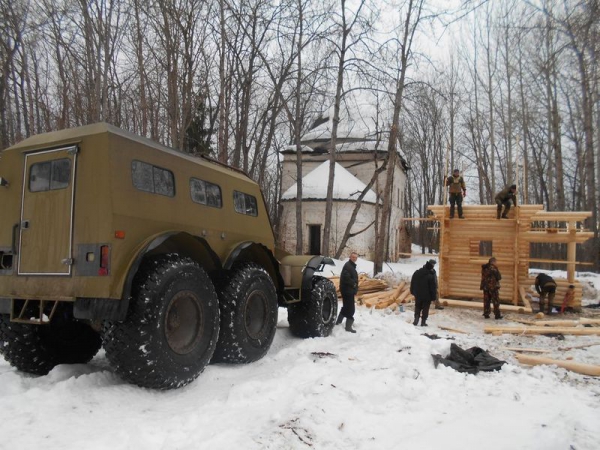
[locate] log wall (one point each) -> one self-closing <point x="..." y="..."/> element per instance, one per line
<point x="467" y="244"/>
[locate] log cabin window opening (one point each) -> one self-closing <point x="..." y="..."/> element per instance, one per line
<point x="485" y="248"/>
<point x="480" y="248"/>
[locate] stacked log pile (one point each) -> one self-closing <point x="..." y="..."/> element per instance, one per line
<point x="376" y="293"/>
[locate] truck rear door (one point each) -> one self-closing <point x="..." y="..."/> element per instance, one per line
<point x="46" y="227"/>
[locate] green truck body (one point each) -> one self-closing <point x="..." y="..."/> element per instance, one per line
<point x="91" y="216"/>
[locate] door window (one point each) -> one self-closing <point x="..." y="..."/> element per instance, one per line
<point x="50" y="175"/>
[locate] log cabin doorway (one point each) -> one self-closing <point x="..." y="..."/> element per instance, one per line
<point x="314" y="239"/>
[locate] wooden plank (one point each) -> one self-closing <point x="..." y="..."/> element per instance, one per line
<point x="544" y="330"/>
<point x="585" y="369"/>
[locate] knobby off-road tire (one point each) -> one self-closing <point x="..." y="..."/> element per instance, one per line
<point x="317" y="317"/>
<point x="248" y="302"/>
<point x="37" y="349"/>
<point x="171" y="328"/>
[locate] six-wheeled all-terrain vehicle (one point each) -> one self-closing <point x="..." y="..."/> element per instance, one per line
<point x="168" y="261"/>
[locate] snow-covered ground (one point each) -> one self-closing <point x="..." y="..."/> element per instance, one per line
<point x="376" y="389"/>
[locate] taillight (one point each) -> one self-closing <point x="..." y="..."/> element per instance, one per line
<point x="104" y="260"/>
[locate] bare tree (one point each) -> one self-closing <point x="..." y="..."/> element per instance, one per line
<point x="411" y="22"/>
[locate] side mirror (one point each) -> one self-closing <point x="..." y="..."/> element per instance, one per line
<point x="3" y="182"/>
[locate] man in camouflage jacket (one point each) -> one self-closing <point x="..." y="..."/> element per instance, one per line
<point x="545" y="287"/>
<point x="490" y="285"/>
<point x="457" y="190"/>
<point x="506" y="197"/>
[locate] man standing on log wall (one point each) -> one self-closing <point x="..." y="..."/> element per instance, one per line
<point x="423" y="285"/>
<point x="457" y="191"/>
<point x="348" y="289"/>
<point x="490" y="285"/>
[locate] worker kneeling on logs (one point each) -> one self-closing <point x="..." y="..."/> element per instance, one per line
<point x="506" y="197"/>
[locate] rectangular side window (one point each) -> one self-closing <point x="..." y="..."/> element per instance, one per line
<point x="164" y="182"/>
<point x="149" y="178"/>
<point x="198" y="191"/>
<point x="205" y="193"/>
<point x="245" y="203"/>
<point x="50" y="175"/>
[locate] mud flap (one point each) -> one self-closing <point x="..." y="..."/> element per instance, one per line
<point x="315" y="264"/>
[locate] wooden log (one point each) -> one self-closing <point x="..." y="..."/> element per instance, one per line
<point x="524" y="298"/>
<point x="525" y="322"/>
<point x="586" y="321"/>
<point x="585" y="369"/>
<point x="454" y="330"/>
<point x="403" y="296"/>
<point x="371" y="302"/>
<point x="479" y="305"/>
<point x="399" y="289"/>
<point x="375" y="294"/>
<point x="566" y="349"/>
<point x="384" y="303"/>
<point x="524" y="349"/>
<point x="556" y="323"/>
<point x="544" y="330"/>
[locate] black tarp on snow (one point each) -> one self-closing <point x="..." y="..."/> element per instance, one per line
<point x="472" y="360"/>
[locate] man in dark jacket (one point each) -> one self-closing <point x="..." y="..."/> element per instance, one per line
<point x="506" y="197"/>
<point x="490" y="285"/>
<point x="423" y="285"/>
<point x="546" y="287"/>
<point x="348" y="288"/>
<point x="457" y="190"/>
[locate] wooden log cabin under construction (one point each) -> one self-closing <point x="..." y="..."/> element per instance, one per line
<point x="466" y="244"/>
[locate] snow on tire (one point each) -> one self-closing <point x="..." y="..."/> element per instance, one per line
<point x="171" y="328"/>
<point x="317" y="317"/>
<point x="248" y="302"/>
<point x="37" y="349"/>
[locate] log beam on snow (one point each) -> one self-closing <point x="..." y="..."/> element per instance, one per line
<point x="454" y="330"/>
<point x="543" y="330"/>
<point x="586" y="321"/>
<point x="525" y="349"/>
<point x="479" y="305"/>
<point x="524" y="322"/>
<point x="585" y="369"/>
<point x="566" y="349"/>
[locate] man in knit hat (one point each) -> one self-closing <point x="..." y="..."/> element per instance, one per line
<point x="423" y="285"/>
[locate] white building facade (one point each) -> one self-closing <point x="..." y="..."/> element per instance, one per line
<point x="358" y="159"/>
